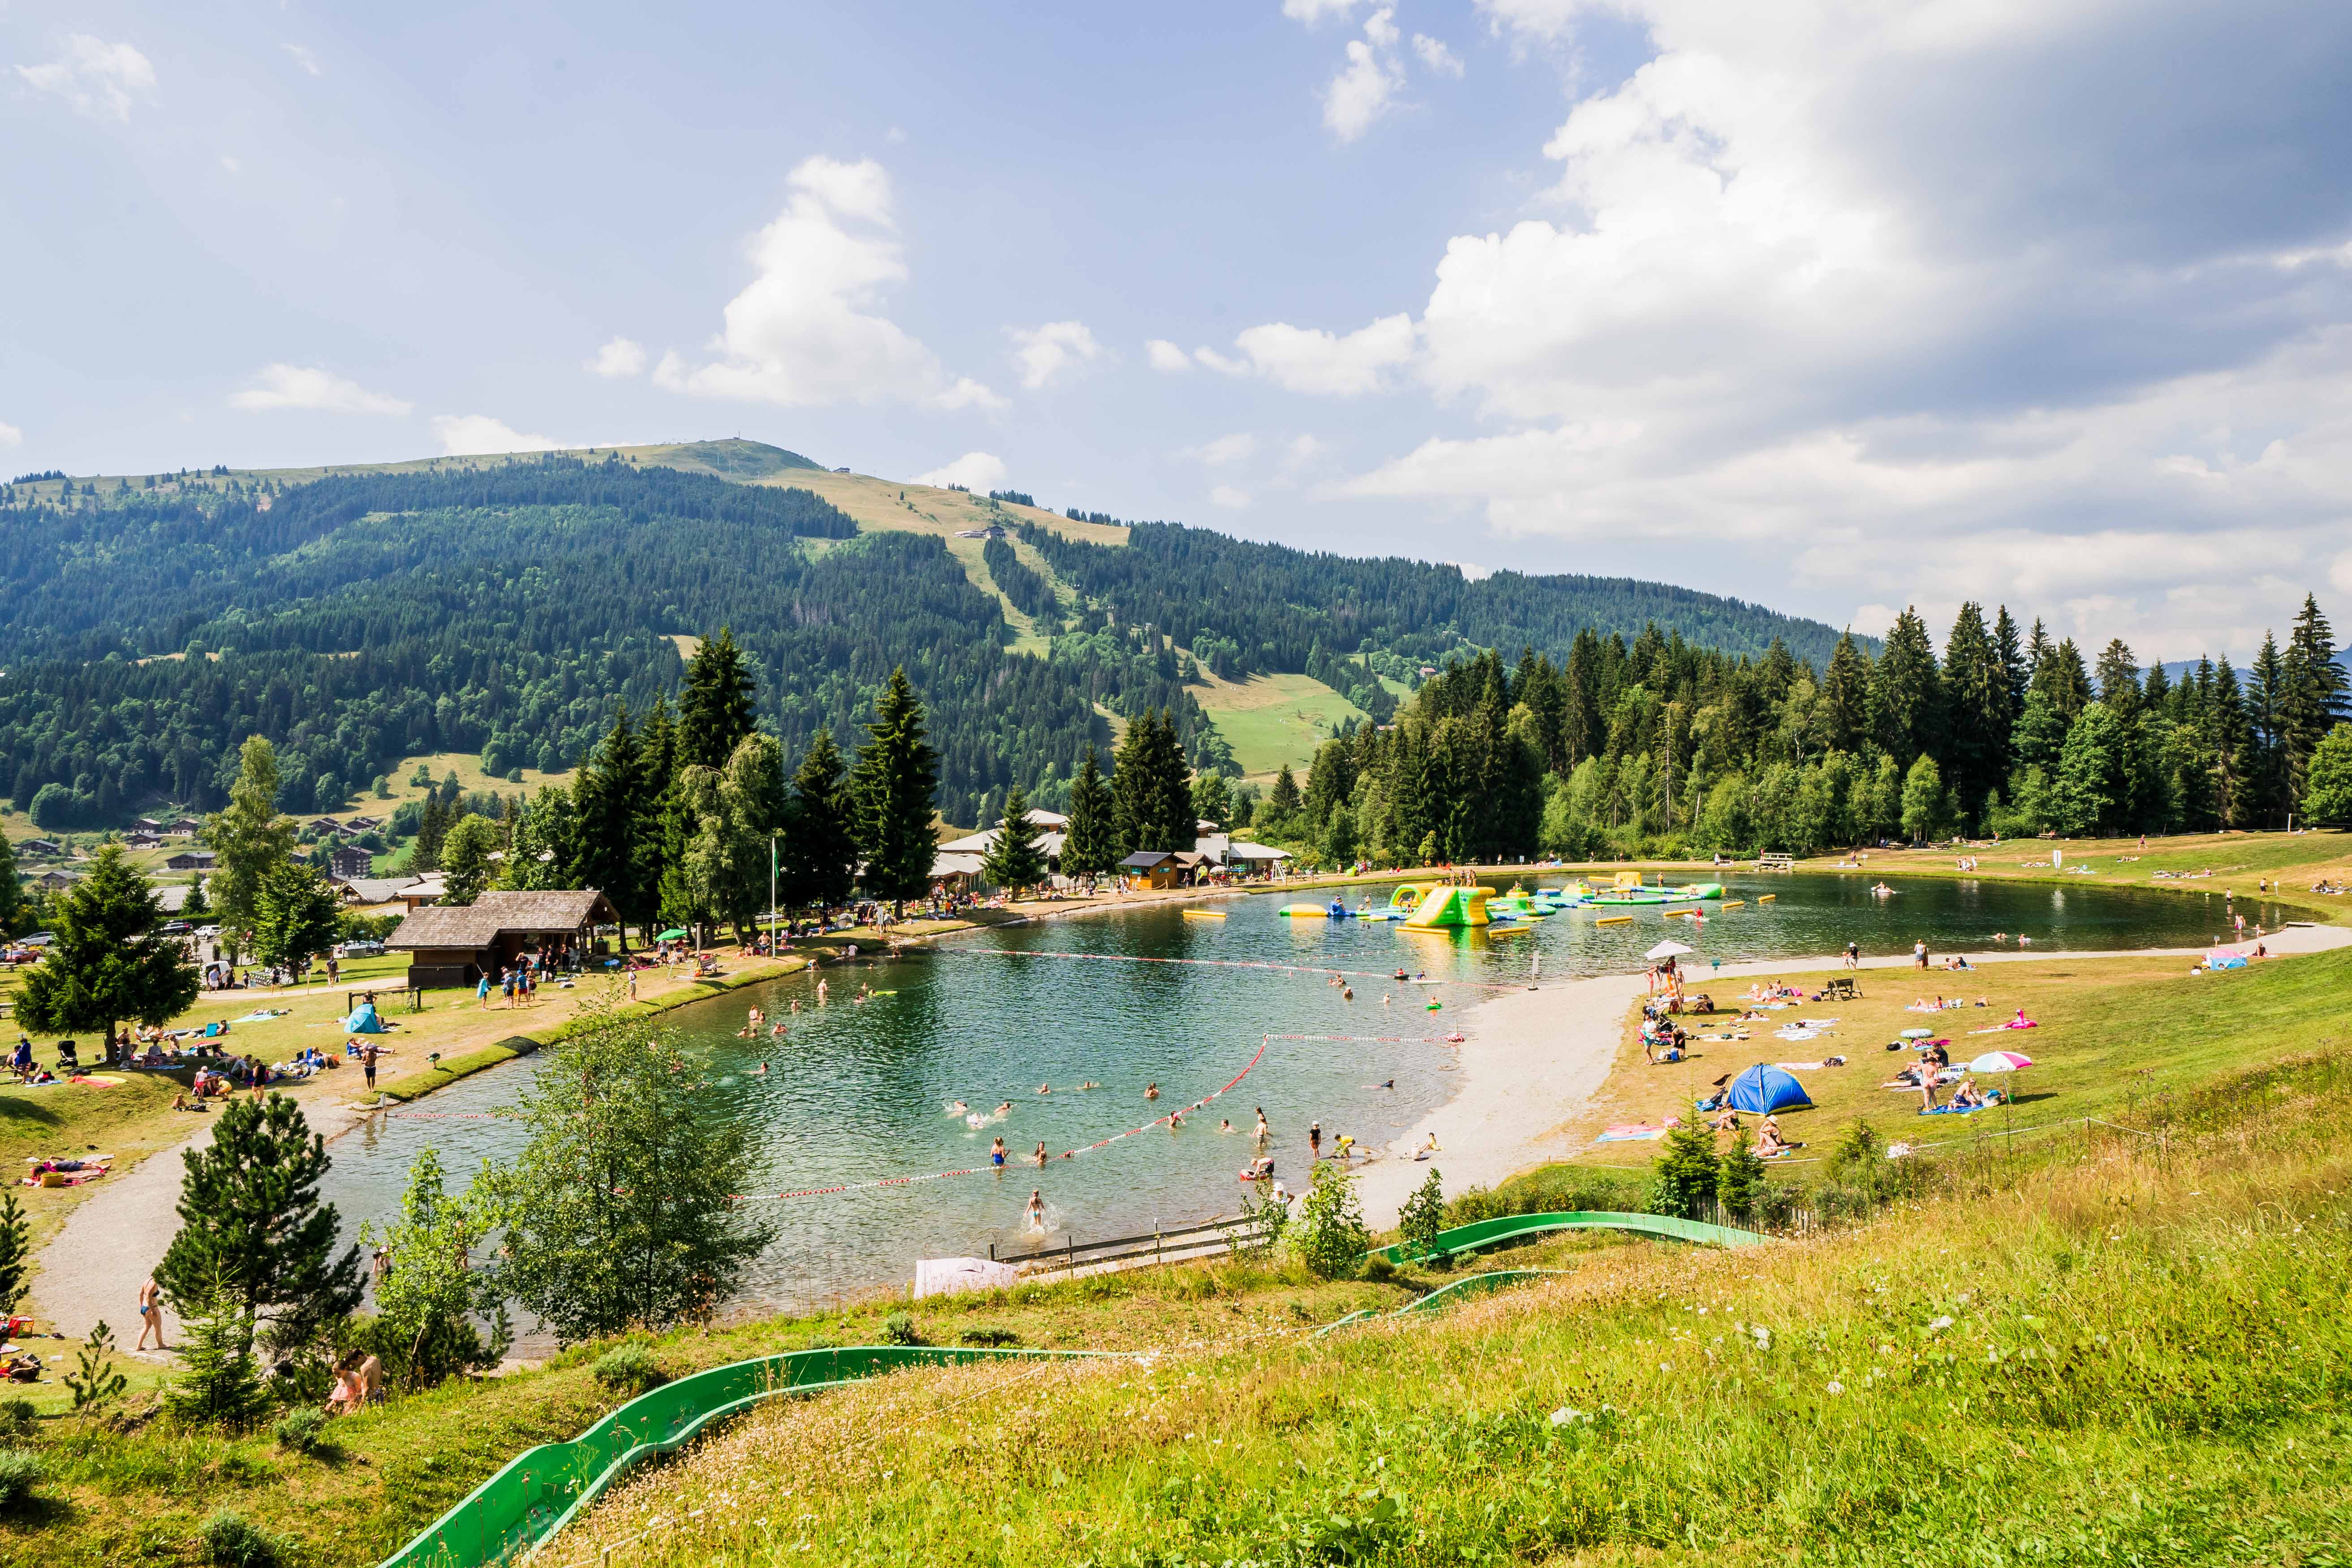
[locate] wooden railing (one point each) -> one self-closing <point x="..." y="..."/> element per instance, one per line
<point x="1227" y="1234"/>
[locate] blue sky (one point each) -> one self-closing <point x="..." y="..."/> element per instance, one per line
<point x="1834" y="306"/>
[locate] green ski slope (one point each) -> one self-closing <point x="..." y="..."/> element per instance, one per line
<point x="538" y="1490"/>
<point x="1511" y="1227"/>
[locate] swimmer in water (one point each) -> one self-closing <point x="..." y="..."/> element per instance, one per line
<point x="1044" y="1089"/>
<point x="1151" y="1091"/>
<point x="1005" y="1108"/>
<point x="1347" y="993"/>
<point x="1040" y="1155"/>
<point x="1090" y="1084"/>
<point x="777" y="1032"/>
<point x="1384" y="998"/>
<point x="760" y="1071"/>
<point x="958" y="1108"/>
<point x="796" y="1001"/>
<point x="822" y="992"/>
<point x="1263" y="1132"/>
<point x="1225" y="1127"/>
<point x="1037" y="1208"/>
<point x="1390" y="1084"/>
<point x="996" y="1153"/>
<point x="1175" y="1120"/>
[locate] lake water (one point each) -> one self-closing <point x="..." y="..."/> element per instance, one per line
<point x="858" y="1092"/>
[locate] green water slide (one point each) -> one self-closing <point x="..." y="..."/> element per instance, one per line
<point x="1519" y="1226"/>
<point x="541" y="1488"/>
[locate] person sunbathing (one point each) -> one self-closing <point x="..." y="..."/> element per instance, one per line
<point x="1968" y="1097"/>
<point x="1768" y="1142"/>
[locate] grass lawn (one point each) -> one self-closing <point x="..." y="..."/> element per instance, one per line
<point x="2118" y="1038"/>
<point x="1270" y="720"/>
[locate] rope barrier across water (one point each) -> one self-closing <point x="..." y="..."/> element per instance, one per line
<point x="1221" y="964"/>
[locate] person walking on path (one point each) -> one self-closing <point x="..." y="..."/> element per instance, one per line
<point x="1853" y="955"/>
<point x="151" y="1315"/>
<point x="1919" y="953"/>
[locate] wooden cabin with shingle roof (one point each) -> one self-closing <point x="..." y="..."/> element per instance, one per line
<point x="456" y="946"/>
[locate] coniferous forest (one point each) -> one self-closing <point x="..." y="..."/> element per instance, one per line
<point x="508" y="610"/>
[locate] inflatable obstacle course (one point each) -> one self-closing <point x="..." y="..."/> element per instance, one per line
<point x="1452" y="908"/>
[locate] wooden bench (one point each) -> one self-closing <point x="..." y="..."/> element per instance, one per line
<point x="1840" y="990"/>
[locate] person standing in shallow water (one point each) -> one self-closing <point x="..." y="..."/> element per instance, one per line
<point x="1315" y="1140"/>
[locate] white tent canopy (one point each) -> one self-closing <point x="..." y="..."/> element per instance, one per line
<point x="1666" y="950"/>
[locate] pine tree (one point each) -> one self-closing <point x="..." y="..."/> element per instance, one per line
<point x="108" y="962"/>
<point x="2268" y="784"/>
<point x="897" y="788"/>
<point x="1684" y="1177"/>
<point x="609" y="789"/>
<point x="2313" y="701"/>
<point x="1090" y="848"/>
<point x="651" y="836"/>
<point x="198" y="906"/>
<point x="252" y="1229"/>
<point x="432" y="831"/>
<point x="15" y="1254"/>
<point x="12" y="888"/>
<point x="1977" y="719"/>
<point x="220" y="1381"/>
<point x="1845" y="693"/>
<point x="295" y="918"/>
<point x="2016" y="662"/>
<point x="716" y="710"/>
<point x="2061" y="677"/>
<point x="2119" y="686"/>
<point x="820" y="842"/>
<point x="1013" y="861"/>
<point x="1907" y="700"/>
<point x="2232" y="741"/>
<point x="466" y="868"/>
<point x="1178" y="826"/>
<point x="1283" y="802"/>
<point x="248" y="837"/>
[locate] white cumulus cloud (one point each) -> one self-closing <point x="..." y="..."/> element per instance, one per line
<point x="809" y="328"/>
<point x="1229" y="498"/>
<point x="619" y="358"/>
<point x="1308" y="359"/>
<point x="479" y="435"/>
<point x="10" y="436"/>
<point x="979" y="472"/>
<point x="1368" y="82"/>
<point x="1436" y="56"/>
<point x="1166" y="357"/>
<point x="1313" y="11"/>
<point x="278" y="387"/>
<point x="99" y="78"/>
<point x="1224" y="449"/>
<point x="1046" y="355"/>
<point x="1917" y="299"/>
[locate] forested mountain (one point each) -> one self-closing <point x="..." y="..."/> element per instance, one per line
<point x="507" y="609"/>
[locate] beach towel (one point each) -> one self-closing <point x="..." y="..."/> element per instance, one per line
<point x="99" y="1079"/>
<point x="1631" y="1132"/>
<point x="1798" y="1066"/>
<point x="262" y="1015"/>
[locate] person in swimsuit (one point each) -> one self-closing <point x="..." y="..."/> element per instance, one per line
<point x="1315" y="1139"/>
<point x="1037" y="1208"/>
<point x="1044" y="1089"/>
<point x="1005" y="1108"/>
<point x="996" y="1153"/>
<point x="1263" y="1132"/>
<point x="1427" y="1148"/>
<point x="1151" y="1091"/>
<point x="1040" y="1155"/>
<point x="151" y="1315"/>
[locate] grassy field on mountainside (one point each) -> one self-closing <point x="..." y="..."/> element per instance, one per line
<point x="2291" y="864"/>
<point x="1270" y="720"/>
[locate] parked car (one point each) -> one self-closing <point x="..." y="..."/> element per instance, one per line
<point x="175" y="928"/>
<point x="358" y="950"/>
<point x="208" y="930"/>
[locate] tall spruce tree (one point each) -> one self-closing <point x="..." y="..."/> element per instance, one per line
<point x="655" y="833"/>
<point x="2268" y="784"/>
<point x="2233" y="739"/>
<point x="1090" y="846"/>
<point x="295" y="918"/>
<point x="12" y="888"/>
<point x="1907" y="700"/>
<point x="248" y="837"/>
<point x="109" y="963"/>
<point x="820" y="839"/>
<point x="2313" y="701"/>
<point x="609" y="789"/>
<point x="2119" y="681"/>
<point x="253" y="1230"/>
<point x="897" y="788"/>
<point x="1845" y="694"/>
<point x="1977" y="719"/>
<point x="1013" y="860"/>
<point x="2016" y="662"/>
<point x="716" y="709"/>
<point x="1133" y="791"/>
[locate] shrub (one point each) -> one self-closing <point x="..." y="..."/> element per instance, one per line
<point x="17" y="1415"/>
<point x="628" y="1368"/>
<point x="20" y="1473"/>
<point x="1379" y="1269"/>
<point x="988" y="1335"/>
<point x="1422" y="1217"/>
<point x="1682" y="1177"/>
<point x="298" y="1430"/>
<point x="1474" y="1205"/>
<point x="1332" y="1236"/>
<point x="1739" y="1182"/>
<point x="899" y="1328"/>
<point x="231" y="1542"/>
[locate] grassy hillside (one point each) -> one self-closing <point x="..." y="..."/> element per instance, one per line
<point x="1271" y="720"/>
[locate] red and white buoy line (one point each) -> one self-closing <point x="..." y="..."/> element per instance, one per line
<point x="1101" y="1142"/>
<point x="1226" y="963"/>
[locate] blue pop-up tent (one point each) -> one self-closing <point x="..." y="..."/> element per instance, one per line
<point x="363" y="1020"/>
<point x="1764" y="1088"/>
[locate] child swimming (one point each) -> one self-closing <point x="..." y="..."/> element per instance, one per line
<point x="1037" y="1209"/>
